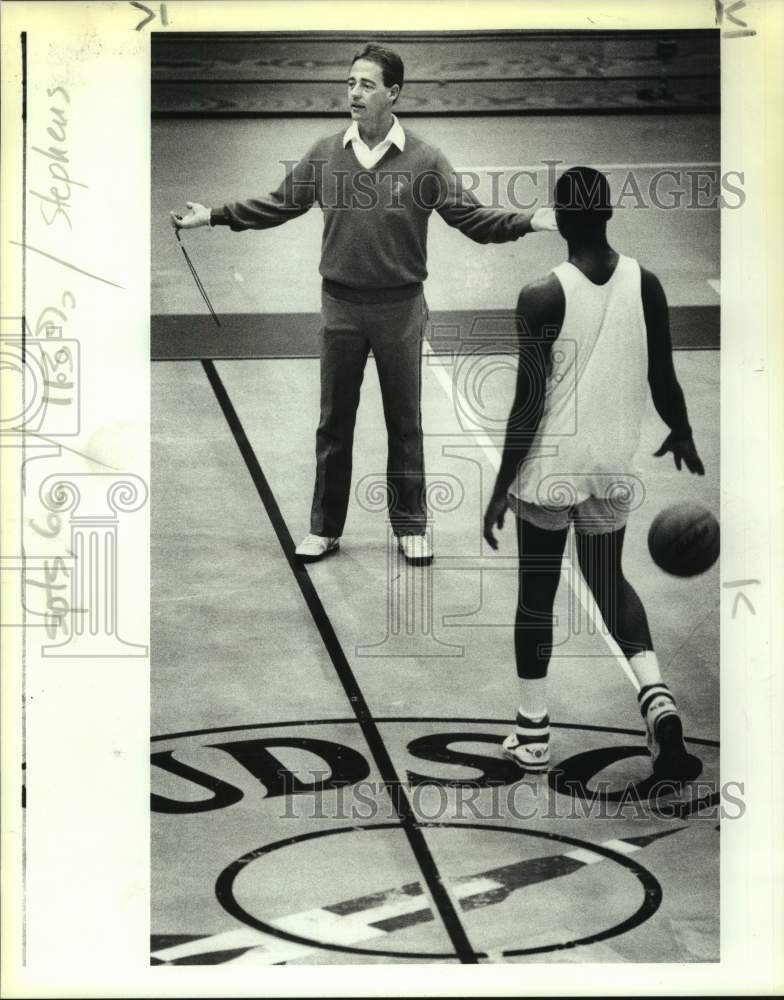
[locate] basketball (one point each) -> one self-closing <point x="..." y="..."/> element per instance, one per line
<point x="684" y="539"/>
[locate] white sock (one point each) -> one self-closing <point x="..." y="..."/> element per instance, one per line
<point x="533" y="698"/>
<point x="645" y="667"/>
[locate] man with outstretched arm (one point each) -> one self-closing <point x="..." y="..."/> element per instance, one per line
<point x="568" y="458"/>
<point x="377" y="184"/>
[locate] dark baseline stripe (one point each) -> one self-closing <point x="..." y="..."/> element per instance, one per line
<point x="208" y="957"/>
<point x="360" y="903"/>
<point x="160" y="941"/>
<point x="376" y="745"/>
<point x="529" y="872"/>
<point x="193" y="337"/>
<point x="403" y="921"/>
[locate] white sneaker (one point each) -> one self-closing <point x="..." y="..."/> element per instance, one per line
<point x="530" y="756"/>
<point x="416" y="549"/>
<point x="315" y="547"/>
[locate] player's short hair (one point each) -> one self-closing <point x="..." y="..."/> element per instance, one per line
<point x="584" y="194"/>
<point x="390" y="62"/>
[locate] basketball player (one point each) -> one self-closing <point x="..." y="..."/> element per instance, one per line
<point x="377" y="184"/>
<point x="594" y="337"/>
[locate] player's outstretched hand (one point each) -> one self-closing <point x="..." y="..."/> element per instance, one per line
<point x="543" y="220"/>
<point x="494" y="518"/>
<point x="197" y="216"/>
<point x="682" y="451"/>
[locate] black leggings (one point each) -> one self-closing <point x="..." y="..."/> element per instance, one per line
<point x="539" y="572"/>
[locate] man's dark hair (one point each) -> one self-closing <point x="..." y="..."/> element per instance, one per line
<point x="583" y="193"/>
<point x="390" y="62"/>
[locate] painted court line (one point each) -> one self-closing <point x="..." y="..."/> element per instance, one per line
<point x="437" y="887"/>
<point x="585" y="856"/>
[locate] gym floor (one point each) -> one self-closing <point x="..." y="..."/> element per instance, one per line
<point x="326" y="739"/>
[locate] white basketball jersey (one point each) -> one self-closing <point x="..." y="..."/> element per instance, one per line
<point x="596" y="393"/>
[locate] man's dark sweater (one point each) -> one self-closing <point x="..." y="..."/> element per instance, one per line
<point x="375" y="221"/>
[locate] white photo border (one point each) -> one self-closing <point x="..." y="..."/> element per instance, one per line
<point x="80" y="915"/>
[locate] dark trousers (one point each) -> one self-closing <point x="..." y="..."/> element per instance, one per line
<point x="540" y="554"/>
<point x="394" y="331"/>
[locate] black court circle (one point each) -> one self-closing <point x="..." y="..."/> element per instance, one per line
<point x="652" y="892"/>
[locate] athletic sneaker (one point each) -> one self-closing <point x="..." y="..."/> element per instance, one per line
<point x="671" y="760"/>
<point x="315" y="547"/>
<point x="529" y="745"/>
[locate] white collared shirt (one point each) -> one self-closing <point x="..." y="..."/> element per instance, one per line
<point x="370" y="157"/>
